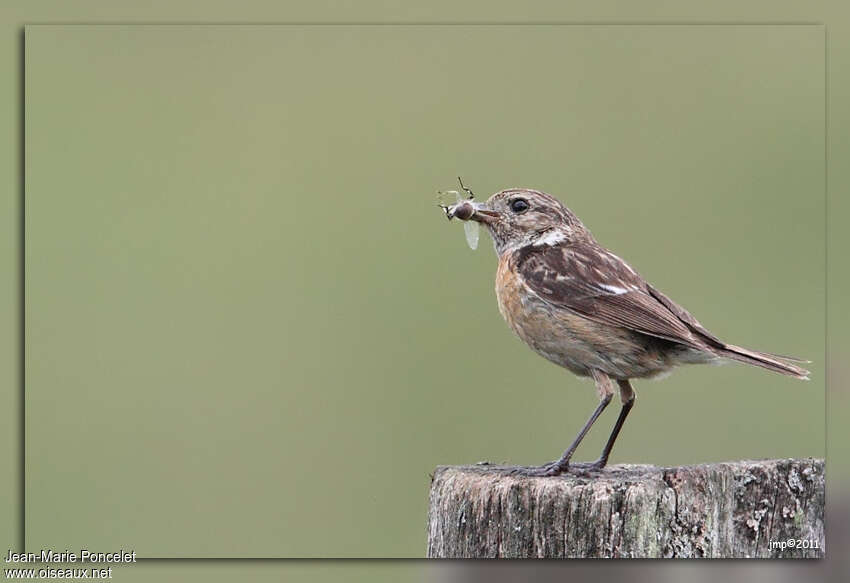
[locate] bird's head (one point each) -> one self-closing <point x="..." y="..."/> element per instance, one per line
<point x="518" y="217"/>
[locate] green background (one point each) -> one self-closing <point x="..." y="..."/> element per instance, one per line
<point x="250" y="333"/>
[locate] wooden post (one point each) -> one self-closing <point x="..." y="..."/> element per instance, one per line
<point x="771" y="508"/>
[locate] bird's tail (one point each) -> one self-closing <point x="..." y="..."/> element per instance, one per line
<point x="766" y="360"/>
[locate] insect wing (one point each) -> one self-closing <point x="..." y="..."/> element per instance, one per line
<point x="448" y="197"/>
<point x="471" y="230"/>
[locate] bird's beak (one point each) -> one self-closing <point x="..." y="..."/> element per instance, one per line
<point x="471" y="210"/>
<point x="484" y="214"/>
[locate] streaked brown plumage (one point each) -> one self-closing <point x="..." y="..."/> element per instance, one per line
<point x="582" y="307"/>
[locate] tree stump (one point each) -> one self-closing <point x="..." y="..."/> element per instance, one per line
<point x="770" y="508"/>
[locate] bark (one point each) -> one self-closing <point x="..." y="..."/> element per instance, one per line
<point x="723" y="510"/>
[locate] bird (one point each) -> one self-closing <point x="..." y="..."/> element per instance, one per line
<point x="582" y="307"/>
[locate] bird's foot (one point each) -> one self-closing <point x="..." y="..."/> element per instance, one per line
<point x="555" y="468"/>
<point x="588" y="467"/>
<point x="560" y="467"/>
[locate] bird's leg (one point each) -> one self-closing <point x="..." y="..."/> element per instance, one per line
<point x="606" y="391"/>
<point x="627" y="396"/>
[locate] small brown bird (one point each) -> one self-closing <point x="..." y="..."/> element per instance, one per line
<point x="580" y="306"/>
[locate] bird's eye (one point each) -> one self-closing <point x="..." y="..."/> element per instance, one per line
<point x="519" y="205"/>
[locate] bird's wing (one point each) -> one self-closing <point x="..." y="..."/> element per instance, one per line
<point x="685" y="317"/>
<point x="596" y="284"/>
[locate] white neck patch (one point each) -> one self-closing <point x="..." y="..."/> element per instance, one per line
<point x="552" y="237"/>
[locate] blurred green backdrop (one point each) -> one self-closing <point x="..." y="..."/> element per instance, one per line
<point x="251" y="333"/>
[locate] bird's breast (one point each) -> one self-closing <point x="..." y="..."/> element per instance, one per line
<point x="569" y="339"/>
<point x="510" y="295"/>
<point x="552" y="333"/>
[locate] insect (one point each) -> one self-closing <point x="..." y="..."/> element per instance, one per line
<point x="455" y="205"/>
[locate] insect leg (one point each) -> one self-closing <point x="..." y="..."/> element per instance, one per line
<point x="466" y="189"/>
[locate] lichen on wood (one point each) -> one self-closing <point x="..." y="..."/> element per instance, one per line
<point x="722" y="510"/>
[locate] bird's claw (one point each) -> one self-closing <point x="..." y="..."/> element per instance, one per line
<point x="558" y="468"/>
<point x="555" y="468"/>
<point x="588" y="467"/>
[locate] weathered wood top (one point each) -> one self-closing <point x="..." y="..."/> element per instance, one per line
<point x="730" y="509"/>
